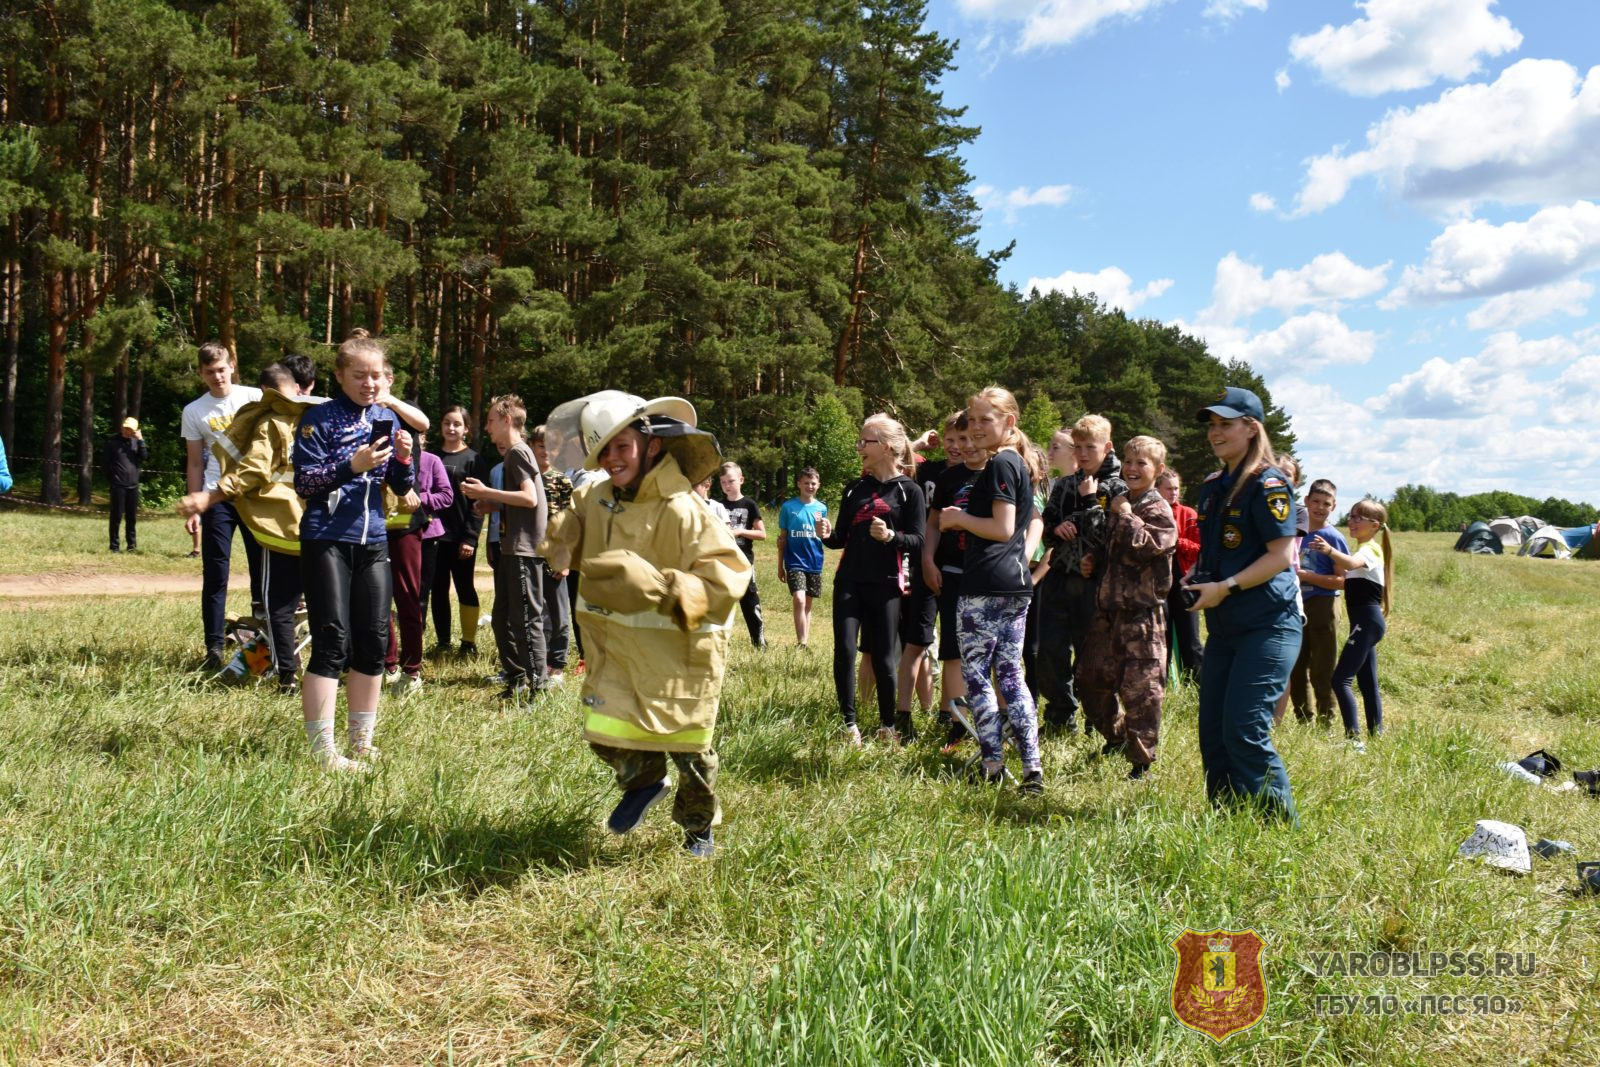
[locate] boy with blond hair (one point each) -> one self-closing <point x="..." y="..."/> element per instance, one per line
<point x="1074" y="532"/>
<point x="1126" y="652"/>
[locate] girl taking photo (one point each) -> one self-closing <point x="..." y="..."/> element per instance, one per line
<point x="345" y="452"/>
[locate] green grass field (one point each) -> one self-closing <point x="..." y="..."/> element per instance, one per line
<point x="179" y="884"/>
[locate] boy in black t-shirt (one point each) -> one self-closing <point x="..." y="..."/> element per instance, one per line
<point x="744" y="519"/>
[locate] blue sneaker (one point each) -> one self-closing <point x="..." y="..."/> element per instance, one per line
<point x="630" y="810"/>
<point x="699" y="845"/>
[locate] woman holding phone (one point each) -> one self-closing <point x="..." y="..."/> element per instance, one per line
<point x="345" y="452"/>
<point x="881" y="522"/>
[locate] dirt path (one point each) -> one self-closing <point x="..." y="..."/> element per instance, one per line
<point x="105" y="583"/>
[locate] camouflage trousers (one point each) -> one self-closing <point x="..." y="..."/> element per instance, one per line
<point x="1126" y="656"/>
<point x="695" y="806"/>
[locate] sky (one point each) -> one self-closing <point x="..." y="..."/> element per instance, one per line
<point x="1389" y="208"/>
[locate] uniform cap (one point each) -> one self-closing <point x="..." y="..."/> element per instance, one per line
<point x="1233" y="403"/>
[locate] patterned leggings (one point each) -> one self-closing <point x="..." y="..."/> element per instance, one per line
<point x="992" y="629"/>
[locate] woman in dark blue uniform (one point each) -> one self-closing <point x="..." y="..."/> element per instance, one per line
<point x="1246" y="588"/>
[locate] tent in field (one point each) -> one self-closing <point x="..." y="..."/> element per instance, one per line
<point x="1551" y="542"/>
<point x="1509" y="532"/>
<point x="1479" y="540"/>
<point x="1530" y="525"/>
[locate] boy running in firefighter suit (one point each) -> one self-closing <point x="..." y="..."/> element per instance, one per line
<point x="1126" y="651"/>
<point x="662" y="578"/>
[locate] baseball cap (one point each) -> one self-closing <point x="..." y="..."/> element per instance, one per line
<point x="130" y="423"/>
<point x="1234" y="402"/>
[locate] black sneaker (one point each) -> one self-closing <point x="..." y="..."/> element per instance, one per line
<point x="630" y="810"/>
<point x="467" y="648"/>
<point x="1111" y="748"/>
<point x="515" y="693"/>
<point x="213" y="660"/>
<point x="699" y="845"/>
<point x="1138" y="772"/>
<point x="905" y="727"/>
<point x="1032" y="784"/>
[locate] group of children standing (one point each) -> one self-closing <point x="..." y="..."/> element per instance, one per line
<point x="1050" y="597"/>
<point x="1065" y="594"/>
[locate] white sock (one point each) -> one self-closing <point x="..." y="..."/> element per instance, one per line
<point x="360" y="725"/>
<point x="320" y="733"/>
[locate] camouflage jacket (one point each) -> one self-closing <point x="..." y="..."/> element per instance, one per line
<point x="1137" y="568"/>
<point x="1085" y="511"/>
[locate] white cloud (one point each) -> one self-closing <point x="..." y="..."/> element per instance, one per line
<point x="1464" y="425"/>
<point x="1407" y="44"/>
<point x="1057" y="22"/>
<point x="1530" y="136"/>
<point x="1112" y="285"/>
<point x="1021" y="197"/>
<point x="1474" y="258"/>
<point x="1241" y="289"/>
<point x="1282" y="80"/>
<point x="1496" y="382"/>
<point x="1303" y="343"/>
<point x="1263" y="203"/>
<point x="1231" y="9"/>
<point x="1507" y="310"/>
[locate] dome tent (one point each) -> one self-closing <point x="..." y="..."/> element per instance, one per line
<point x="1508" y="530"/>
<point x="1551" y="542"/>
<point x="1479" y="540"/>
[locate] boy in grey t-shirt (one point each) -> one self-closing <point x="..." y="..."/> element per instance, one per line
<point x="518" y="579"/>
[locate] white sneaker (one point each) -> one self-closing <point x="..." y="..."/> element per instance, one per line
<point x="409" y="684"/>
<point x="554" y="680"/>
<point x="888" y="735"/>
<point x="852" y="736"/>
<point x="333" y="763"/>
<point x="391" y="679"/>
<point x="1357" y="745"/>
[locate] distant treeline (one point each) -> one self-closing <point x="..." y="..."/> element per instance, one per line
<point x="1417" y="507"/>
<point x="761" y="206"/>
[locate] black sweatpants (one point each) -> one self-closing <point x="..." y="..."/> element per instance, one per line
<point x="281" y="579"/>
<point x="448" y="569"/>
<point x="519" y="617"/>
<point x="1066" y="609"/>
<point x="870" y="612"/>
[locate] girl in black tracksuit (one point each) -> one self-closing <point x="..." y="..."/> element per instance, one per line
<point x="880" y="528"/>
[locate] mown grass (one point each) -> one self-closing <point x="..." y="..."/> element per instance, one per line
<point x="177" y="884"/>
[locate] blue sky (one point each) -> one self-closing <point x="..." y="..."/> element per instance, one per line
<point x="1390" y="208"/>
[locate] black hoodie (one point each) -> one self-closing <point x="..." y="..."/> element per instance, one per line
<point x="899" y="503"/>
<point x="1085" y="511"/>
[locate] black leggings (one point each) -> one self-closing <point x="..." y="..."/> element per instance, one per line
<point x="870" y="612"/>
<point x="449" y="567"/>
<point x="348" y="589"/>
<point x="1358" y="663"/>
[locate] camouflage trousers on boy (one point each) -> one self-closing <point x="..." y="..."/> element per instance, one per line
<point x="695" y="806"/>
<point x="1126" y="656"/>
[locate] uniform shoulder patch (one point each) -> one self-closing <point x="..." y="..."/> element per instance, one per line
<point x="1213" y="476"/>
<point x="1278" y="504"/>
<point x="1273" y="481"/>
<point x="307" y="430"/>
